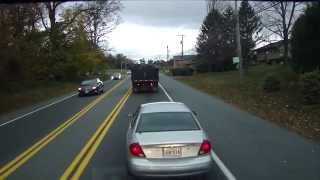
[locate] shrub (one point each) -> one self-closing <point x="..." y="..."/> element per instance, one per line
<point x="271" y="83"/>
<point x="228" y="64"/>
<point x="310" y="87"/>
<point x="202" y="68"/>
<point x="182" y="72"/>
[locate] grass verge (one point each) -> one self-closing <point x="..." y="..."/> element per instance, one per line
<point x="24" y="96"/>
<point x="283" y="107"/>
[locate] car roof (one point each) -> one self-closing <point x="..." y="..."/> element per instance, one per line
<point x="164" y="107"/>
<point x="89" y="80"/>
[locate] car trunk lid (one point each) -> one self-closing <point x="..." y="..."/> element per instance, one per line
<point x="172" y="144"/>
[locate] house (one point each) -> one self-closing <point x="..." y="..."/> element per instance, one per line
<point x="269" y="53"/>
<point x="187" y="61"/>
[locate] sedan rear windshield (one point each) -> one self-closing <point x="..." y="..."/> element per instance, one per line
<point x="166" y="121"/>
<point x="88" y="82"/>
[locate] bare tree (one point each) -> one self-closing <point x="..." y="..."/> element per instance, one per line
<point x="211" y="4"/>
<point x="278" y="18"/>
<point x="219" y="5"/>
<point x="53" y="23"/>
<point x="102" y="18"/>
<point x="49" y="12"/>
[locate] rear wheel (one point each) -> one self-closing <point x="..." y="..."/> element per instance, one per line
<point x="203" y="176"/>
<point x="155" y="89"/>
<point x="130" y="176"/>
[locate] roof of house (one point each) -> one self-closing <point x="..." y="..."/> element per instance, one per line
<point x="185" y="57"/>
<point x="269" y="46"/>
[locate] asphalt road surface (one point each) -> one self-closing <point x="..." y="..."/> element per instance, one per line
<point x="84" y="138"/>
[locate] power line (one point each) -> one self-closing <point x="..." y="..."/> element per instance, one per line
<point x="266" y="8"/>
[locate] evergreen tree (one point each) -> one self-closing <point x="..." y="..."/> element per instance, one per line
<point x="249" y="24"/>
<point x="306" y="39"/>
<point x="229" y="37"/>
<point x="215" y="45"/>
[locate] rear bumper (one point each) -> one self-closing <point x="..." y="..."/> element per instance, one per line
<point x="142" y="167"/>
<point x="89" y="92"/>
<point x="145" y="85"/>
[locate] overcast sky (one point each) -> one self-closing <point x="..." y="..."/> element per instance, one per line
<point x="148" y="26"/>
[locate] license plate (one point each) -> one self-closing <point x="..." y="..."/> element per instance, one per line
<point x="172" y="152"/>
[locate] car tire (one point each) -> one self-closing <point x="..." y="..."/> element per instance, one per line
<point x="130" y="176"/>
<point x="80" y="95"/>
<point x="155" y="90"/>
<point x="203" y="177"/>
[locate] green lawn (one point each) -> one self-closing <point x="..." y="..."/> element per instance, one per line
<point x="283" y="107"/>
<point x="21" y="96"/>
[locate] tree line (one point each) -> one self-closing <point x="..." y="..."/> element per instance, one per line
<point x="216" y="41"/>
<point x="54" y="41"/>
<point x="259" y="22"/>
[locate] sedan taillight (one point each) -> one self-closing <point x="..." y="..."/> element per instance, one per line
<point x="205" y="147"/>
<point x="136" y="150"/>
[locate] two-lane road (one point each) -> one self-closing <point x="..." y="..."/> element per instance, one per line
<point x="85" y="138"/>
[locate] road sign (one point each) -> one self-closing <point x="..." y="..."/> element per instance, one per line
<point x="235" y="60"/>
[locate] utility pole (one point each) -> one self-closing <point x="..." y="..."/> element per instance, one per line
<point x="167" y="53"/>
<point x="239" y="53"/>
<point x="125" y="65"/>
<point x="181" y="45"/>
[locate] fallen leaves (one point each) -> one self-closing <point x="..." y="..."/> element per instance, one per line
<point x="282" y="108"/>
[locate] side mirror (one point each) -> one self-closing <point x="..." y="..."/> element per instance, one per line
<point x="195" y="113"/>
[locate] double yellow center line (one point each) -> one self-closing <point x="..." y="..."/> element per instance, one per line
<point x="77" y="166"/>
<point x="14" y="164"/>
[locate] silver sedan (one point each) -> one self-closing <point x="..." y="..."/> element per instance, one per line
<point x="165" y="139"/>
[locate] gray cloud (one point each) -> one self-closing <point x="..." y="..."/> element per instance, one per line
<point x="148" y="26"/>
<point x="165" y="13"/>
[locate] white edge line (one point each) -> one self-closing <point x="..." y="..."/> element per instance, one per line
<point x="223" y="168"/>
<point x="170" y="99"/>
<point x="36" y="110"/>
<point x="214" y="156"/>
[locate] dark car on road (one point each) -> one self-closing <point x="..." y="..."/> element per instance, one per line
<point x="116" y="76"/>
<point x="93" y="86"/>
